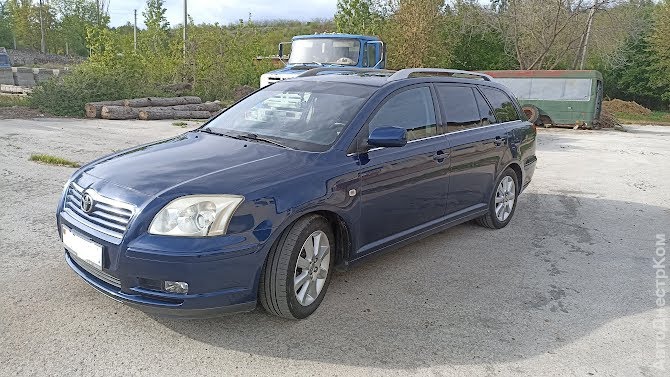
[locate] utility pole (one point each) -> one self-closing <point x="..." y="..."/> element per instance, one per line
<point x="135" y="33"/>
<point x="43" y="43"/>
<point x="586" y="36"/>
<point x="185" y="23"/>
<point x="97" y="11"/>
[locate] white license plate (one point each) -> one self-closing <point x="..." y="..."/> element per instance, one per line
<point x="83" y="249"/>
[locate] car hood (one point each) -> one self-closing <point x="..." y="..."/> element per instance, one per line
<point x="197" y="163"/>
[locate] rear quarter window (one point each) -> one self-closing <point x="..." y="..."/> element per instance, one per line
<point x="503" y="106"/>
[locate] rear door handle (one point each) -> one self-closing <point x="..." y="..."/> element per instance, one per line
<point x="499" y="140"/>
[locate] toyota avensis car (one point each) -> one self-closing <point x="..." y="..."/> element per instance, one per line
<point x="265" y="200"/>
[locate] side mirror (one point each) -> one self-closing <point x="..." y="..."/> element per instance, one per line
<point x="388" y="137"/>
<point x="281" y="50"/>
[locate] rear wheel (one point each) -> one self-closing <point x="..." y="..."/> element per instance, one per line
<point x="503" y="201"/>
<point x="298" y="269"/>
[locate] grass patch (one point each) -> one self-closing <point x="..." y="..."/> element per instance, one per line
<point x="13" y="100"/>
<point x="180" y="124"/>
<point x="53" y="160"/>
<point x="661" y="118"/>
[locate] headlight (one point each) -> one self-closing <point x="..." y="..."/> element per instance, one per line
<point x="196" y="216"/>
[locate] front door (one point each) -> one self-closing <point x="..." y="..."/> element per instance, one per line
<point x="403" y="188"/>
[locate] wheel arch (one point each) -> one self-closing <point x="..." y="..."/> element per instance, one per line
<point x="340" y="227"/>
<point x="514" y="165"/>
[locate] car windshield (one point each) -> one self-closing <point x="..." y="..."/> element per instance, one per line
<point x="325" y="51"/>
<point x="303" y="115"/>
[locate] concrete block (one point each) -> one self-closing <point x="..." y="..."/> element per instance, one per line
<point x="24" y="77"/>
<point x="6" y="76"/>
<point x="43" y="74"/>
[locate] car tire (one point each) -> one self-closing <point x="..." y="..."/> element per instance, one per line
<point x="503" y="201"/>
<point x="293" y="283"/>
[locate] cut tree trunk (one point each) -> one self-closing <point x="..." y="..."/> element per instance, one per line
<point x="207" y="106"/>
<point x="119" y="112"/>
<point x="161" y="102"/>
<point x="93" y="109"/>
<point x="152" y="114"/>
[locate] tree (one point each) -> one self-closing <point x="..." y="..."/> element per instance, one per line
<point x="6" y="35"/>
<point x="154" y="15"/>
<point x="414" y="35"/>
<point x="477" y="45"/>
<point x="358" y="17"/>
<point x="540" y="34"/>
<point x="660" y="45"/>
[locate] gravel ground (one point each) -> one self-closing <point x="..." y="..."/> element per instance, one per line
<point x="566" y="289"/>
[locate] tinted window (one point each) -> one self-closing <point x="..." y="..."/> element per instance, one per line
<point x="298" y="114"/>
<point x="460" y="107"/>
<point x="485" y="111"/>
<point x="4" y="59"/>
<point x="503" y="108"/>
<point x="411" y="109"/>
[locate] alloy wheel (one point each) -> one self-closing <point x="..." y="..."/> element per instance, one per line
<point x="505" y="197"/>
<point x="311" y="268"/>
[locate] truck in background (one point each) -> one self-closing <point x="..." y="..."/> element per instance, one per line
<point x="4" y="58"/>
<point x="328" y="50"/>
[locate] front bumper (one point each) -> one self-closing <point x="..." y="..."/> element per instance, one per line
<point x="225" y="280"/>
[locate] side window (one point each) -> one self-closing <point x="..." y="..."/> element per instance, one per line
<point x="460" y="107"/>
<point x="503" y="108"/>
<point x="411" y="109"/>
<point x="485" y="111"/>
<point x="369" y="58"/>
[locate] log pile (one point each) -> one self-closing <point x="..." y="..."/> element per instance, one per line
<point x="150" y="108"/>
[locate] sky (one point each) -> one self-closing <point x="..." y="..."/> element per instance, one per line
<point x="225" y="11"/>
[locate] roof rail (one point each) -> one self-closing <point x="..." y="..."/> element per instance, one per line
<point x="351" y="70"/>
<point x="408" y="72"/>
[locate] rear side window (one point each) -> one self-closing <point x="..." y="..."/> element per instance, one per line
<point x="411" y="109"/>
<point x="485" y="110"/>
<point x="460" y="107"/>
<point x="503" y="107"/>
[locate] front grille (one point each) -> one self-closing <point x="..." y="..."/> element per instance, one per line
<point x="99" y="274"/>
<point x="107" y="215"/>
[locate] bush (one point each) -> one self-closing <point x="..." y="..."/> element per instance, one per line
<point x="91" y="82"/>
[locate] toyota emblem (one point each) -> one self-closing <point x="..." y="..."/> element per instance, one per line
<point x="87" y="203"/>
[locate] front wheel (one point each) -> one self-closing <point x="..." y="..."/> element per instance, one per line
<point x="503" y="201"/>
<point x="298" y="269"/>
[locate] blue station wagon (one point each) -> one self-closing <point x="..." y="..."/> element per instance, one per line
<point x="306" y="175"/>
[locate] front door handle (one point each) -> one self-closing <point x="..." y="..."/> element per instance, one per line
<point x="499" y="140"/>
<point x="440" y="155"/>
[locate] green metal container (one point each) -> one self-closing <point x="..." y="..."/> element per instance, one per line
<point x="563" y="98"/>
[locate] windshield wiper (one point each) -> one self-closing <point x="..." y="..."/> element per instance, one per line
<point x="252" y="136"/>
<point x="209" y="131"/>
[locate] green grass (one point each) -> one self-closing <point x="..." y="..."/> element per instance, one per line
<point x="180" y="124"/>
<point x="13" y="100"/>
<point x="656" y="117"/>
<point x="53" y="160"/>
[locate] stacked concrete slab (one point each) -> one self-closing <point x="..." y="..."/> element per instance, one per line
<point x="42" y="74"/>
<point x="6" y="76"/>
<point x="24" y="77"/>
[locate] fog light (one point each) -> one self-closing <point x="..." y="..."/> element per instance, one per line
<point x="176" y="287"/>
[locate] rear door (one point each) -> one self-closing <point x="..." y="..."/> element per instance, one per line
<point x="477" y="140"/>
<point x="403" y="188"/>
